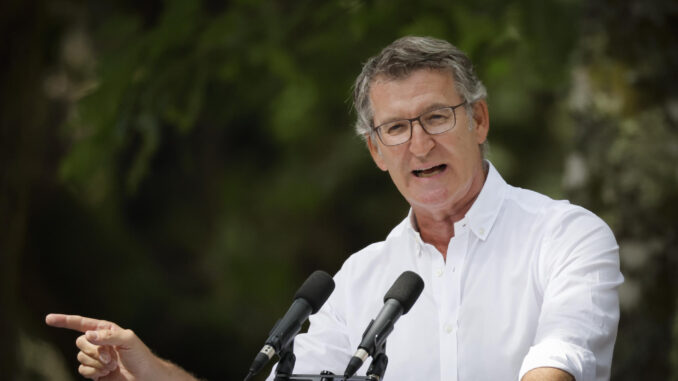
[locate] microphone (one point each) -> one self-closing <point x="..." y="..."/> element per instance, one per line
<point x="397" y="302"/>
<point x="308" y="300"/>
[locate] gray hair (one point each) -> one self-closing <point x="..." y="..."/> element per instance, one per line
<point x="406" y="55"/>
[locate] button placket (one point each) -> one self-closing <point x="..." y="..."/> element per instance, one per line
<point x="452" y="290"/>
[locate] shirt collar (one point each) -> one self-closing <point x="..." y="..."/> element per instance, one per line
<point x="483" y="213"/>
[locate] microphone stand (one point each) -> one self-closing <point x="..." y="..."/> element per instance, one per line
<point x="379" y="362"/>
<point x="286" y="363"/>
<point x="285" y="367"/>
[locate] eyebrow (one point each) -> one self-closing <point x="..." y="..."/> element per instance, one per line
<point x="431" y="107"/>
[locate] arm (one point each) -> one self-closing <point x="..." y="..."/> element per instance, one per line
<point x="579" y="270"/>
<point x="111" y="353"/>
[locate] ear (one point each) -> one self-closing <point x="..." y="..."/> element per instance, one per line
<point x="376" y="153"/>
<point x="481" y="120"/>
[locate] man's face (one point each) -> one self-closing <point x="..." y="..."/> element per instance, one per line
<point x="434" y="172"/>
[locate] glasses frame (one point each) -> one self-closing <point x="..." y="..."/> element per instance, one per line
<point x="376" y="129"/>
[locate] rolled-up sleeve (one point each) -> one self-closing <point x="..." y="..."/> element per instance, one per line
<point x="580" y="274"/>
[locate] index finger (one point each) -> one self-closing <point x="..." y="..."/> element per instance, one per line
<point x="77" y="323"/>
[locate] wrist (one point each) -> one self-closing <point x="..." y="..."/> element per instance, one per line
<point x="170" y="371"/>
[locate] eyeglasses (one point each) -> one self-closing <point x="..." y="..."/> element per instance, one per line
<point x="434" y="122"/>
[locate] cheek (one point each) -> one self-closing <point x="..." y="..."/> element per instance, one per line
<point x="467" y="145"/>
<point x="395" y="159"/>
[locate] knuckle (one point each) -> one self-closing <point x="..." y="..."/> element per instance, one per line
<point x="128" y="334"/>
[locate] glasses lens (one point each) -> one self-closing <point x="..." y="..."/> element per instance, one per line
<point x="393" y="133"/>
<point x="438" y="121"/>
<point x="434" y="122"/>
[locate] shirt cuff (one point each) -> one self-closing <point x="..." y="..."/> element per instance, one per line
<point x="579" y="362"/>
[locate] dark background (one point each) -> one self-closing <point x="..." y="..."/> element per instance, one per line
<point x="180" y="167"/>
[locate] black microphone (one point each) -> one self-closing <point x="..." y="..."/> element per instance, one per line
<point x="397" y="302"/>
<point x="308" y="300"/>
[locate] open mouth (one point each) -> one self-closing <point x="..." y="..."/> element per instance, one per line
<point x="429" y="171"/>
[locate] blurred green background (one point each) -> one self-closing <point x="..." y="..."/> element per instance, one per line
<point x="180" y="167"/>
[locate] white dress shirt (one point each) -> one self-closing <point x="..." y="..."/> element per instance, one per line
<point x="528" y="282"/>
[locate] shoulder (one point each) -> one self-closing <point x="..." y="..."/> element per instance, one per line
<point x="366" y="275"/>
<point x="570" y="241"/>
<point x="531" y="202"/>
<point x="377" y="265"/>
<point x="570" y="234"/>
<point x="563" y="232"/>
<point x="396" y="241"/>
<point x="378" y="255"/>
<point x="556" y="217"/>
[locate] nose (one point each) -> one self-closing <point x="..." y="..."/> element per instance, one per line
<point x="421" y="142"/>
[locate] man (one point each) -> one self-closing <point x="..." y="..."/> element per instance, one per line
<point x="518" y="286"/>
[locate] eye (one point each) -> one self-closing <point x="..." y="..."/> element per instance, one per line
<point x="437" y="117"/>
<point x="394" y="128"/>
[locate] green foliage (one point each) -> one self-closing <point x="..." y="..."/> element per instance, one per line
<point x="209" y="162"/>
<point x="625" y="136"/>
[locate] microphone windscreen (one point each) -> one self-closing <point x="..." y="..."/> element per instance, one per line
<point x="316" y="289"/>
<point x="406" y="290"/>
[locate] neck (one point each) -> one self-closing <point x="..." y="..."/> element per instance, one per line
<point x="436" y="226"/>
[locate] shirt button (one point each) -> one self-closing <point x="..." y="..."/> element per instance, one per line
<point x="439" y="272"/>
<point x="449" y="328"/>
<point x="481" y="231"/>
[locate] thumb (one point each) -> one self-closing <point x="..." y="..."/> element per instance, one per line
<point x="113" y="336"/>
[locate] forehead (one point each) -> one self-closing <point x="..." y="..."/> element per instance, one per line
<point x="409" y="96"/>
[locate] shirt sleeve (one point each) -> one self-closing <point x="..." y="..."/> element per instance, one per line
<point x="326" y="345"/>
<point x="578" y="322"/>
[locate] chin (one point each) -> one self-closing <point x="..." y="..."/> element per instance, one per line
<point x="431" y="201"/>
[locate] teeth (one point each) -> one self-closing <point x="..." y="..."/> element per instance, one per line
<point x="429" y="171"/>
